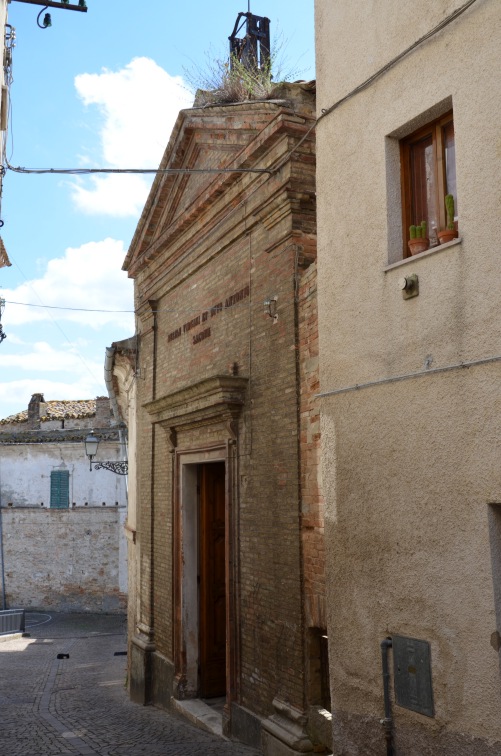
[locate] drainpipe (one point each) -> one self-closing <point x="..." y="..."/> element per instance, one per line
<point x="387" y="722"/>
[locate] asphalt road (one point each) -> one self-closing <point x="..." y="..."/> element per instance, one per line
<point x="79" y="705"/>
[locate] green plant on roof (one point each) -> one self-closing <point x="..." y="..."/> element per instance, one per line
<point x="223" y="80"/>
<point x="449" y="207"/>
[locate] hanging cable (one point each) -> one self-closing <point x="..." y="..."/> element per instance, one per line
<point x="270" y="171"/>
<point x="360" y="88"/>
<point x="174" y="311"/>
<point x="58" y="326"/>
<point x="47" y="21"/>
<point x="161" y="171"/>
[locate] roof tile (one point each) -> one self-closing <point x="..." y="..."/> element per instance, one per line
<point x="58" y="410"/>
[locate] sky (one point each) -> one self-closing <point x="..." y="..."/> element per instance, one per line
<point x="100" y="89"/>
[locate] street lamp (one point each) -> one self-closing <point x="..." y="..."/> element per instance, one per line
<point x="91" y="444"/>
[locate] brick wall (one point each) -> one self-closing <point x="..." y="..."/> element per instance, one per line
<point x="312" y="509"/>
<point x="200" y="298"/>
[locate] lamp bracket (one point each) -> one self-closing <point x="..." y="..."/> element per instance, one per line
<point x="120" y="468"/>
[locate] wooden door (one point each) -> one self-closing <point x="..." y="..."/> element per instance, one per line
<point x="212" y="578"/>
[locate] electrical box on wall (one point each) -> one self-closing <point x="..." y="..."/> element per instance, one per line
<point x="412" y="674"/>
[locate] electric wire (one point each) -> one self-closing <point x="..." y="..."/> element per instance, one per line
<point x="380" y="72"/>
<point x="173" y="310"/>
<point x="59" y="307"/>
<point x="146" y="171"/>
<point x="271" y="171"/>
<point x="57" y="325"/>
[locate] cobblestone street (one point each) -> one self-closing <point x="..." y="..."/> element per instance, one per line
<point x="79" y="705"/>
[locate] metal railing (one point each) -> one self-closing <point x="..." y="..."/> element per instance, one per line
<point x="12" y="621"/>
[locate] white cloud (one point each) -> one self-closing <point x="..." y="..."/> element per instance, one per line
<point x="48" y="359"/>
<point x="119" y="195"/>
<point x="13" y="339"/>
<point x="88" y="277"/>
<point x="139" y="105"/>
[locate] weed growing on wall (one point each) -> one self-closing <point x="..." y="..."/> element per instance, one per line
<point x="226" y="80"/>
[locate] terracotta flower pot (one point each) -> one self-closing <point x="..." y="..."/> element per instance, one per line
<point x="446" y="235"/>
<point x="418" y="245"/>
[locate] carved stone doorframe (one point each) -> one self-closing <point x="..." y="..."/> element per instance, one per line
<point x="214" y="403"/>
<point x="185" y="573"/>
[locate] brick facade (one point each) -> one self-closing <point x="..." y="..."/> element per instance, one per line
<point x="224" y="377"/>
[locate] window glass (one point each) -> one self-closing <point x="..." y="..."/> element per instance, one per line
<point x="450" y="163"/>
<point x="428" y="161"/>
<point x="423" y="183"/>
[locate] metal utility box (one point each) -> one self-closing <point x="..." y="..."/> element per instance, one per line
<point x="412" y="674"/>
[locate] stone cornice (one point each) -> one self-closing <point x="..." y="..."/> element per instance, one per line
<point x="219" y="398"/>
<point x="176" y="149"/>
<point x="283" y="122"/>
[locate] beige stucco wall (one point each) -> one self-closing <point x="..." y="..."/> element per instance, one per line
<point x="410" y="467"/>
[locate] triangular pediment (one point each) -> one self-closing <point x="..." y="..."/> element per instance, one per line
<point x="202" y="138"/>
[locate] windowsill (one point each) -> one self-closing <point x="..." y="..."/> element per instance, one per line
<point x="428" y="252"/>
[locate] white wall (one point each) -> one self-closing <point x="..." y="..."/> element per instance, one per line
<point x="25" y="474"/>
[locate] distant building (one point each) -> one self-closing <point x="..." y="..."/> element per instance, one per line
<point x="410" y="369"/>
<point x="62" y="524"/>
<point x="227" y="530"/>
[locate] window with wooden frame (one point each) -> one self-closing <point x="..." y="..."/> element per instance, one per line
<point x="428" y="163"/>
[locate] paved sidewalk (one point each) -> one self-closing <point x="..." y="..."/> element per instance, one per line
<point x="79" y="706"/>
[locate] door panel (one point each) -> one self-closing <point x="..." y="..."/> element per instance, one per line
<point x="212" y="569"/>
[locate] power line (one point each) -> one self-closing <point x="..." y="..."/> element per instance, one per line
<point x="270" y="171"/>
<point x="360" y="88"/>
<point x="173" y="310"/>
<point x="57" y="307"/>
<point x="162" y="171"/>
<point x="57" y="325"/>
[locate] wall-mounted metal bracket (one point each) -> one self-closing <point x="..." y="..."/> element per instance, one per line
<point x="80" y="6"/>
<point x="119" y="468"/>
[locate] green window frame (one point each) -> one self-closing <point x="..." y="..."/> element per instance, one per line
<point x="60" y="489"/>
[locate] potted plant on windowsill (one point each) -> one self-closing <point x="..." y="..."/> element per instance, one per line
<point x="449" y="233"/>
<point x="418" y="241"/>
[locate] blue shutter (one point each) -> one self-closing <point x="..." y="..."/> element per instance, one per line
<point x="60" y="489"/>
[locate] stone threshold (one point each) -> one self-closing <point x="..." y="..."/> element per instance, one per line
<point x="200" y="714"/>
